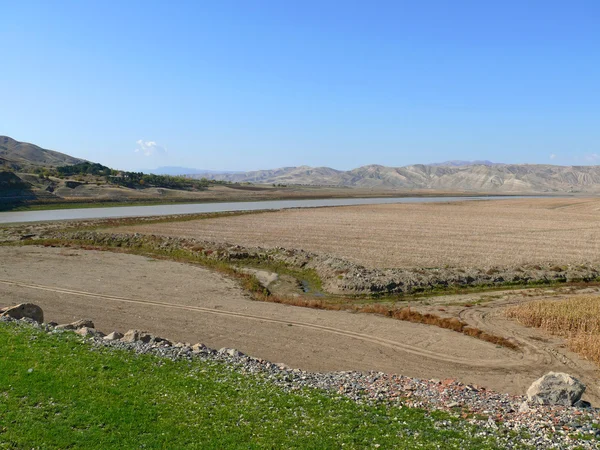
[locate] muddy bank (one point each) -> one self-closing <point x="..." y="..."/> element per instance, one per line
<point x="340" y="276"/>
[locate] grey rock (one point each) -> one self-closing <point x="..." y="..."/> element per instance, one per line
<point x="555" y="388"/>
<point x="114" y="336"/>
<point x="182" y="344"/>
<point x="83" y="323"/>
<point x="199" y="348"/>
<point x="524" y="407"/>
<point x="136" y="335"/>
<point x="24" y="311"/>
<point x="230" y="352"/>
<point x="89" y="332"/>
<point x="143" y="336"/>
<point x="582" y="404"/>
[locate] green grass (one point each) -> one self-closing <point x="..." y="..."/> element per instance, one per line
<point x="57" y="393"/>
<point x="94" y="203"/>
<point x="83" y="205"/>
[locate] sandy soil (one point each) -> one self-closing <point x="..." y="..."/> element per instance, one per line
<point x="188" y="303"/>
<point x="461" y="234"/>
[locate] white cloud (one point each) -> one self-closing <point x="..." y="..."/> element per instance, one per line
<point x="592" y="157"/>
<point x="149" y="148"/>
<point x="553" y="156"/>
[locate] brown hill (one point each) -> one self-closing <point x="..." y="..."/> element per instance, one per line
<point x="22" y="155"/>
<point x="501" y="178"/>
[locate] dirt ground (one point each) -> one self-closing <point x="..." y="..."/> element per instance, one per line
<point x="187" y="303"/>
<point x="469" y="234"/>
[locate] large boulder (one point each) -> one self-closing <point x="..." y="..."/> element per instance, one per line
<point x="24" y="311"/>
<point x="555" y="388"/>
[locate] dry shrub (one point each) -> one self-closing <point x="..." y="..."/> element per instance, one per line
<point x="580" y="314"/>
<point x="587" y="345"/>
<point x="377" y="308"/>
<point x="449" y="323"/>
<point x="405" y="314"/>
<point x="576" y="318"/>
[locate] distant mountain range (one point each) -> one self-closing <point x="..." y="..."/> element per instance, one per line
<point x="459" y="163"/>
<point x="476" y="176"/>
<point x="175" y="170"/>
<point x="481" y="177"/>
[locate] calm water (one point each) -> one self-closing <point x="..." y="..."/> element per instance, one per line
<point x="192" y="208"/>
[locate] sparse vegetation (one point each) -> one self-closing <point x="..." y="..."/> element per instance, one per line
<point x="84" y="168"/>
<point x="406" y="314"/>
<point x="128" y="179"/>
<point x="450" y="323"/>
<point x="576" y="318"/>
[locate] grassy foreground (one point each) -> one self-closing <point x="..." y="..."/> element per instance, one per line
<point x="55" y="392"/>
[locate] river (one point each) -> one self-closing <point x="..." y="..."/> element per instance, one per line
<point x="194" y="208"/>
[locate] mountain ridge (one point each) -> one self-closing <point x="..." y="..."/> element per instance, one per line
<point x="19" y="155"/>
<point x="475" y="176"/>
<point x="496" y="177"/>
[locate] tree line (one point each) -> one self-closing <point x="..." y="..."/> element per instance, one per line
<point x="125" y="178"/>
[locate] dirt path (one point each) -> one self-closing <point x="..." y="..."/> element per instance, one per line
<point x="189" y="303"/>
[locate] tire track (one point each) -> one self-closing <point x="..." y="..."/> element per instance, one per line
<point x="541" y="354"/>
<point x="486" y="364"/>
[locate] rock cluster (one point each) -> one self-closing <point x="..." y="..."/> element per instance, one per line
<point x="82" y="323"/>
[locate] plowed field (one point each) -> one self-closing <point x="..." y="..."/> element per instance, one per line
<point x="461" y="234"/>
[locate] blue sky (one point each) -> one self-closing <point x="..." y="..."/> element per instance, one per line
<point x="244" y="85"/>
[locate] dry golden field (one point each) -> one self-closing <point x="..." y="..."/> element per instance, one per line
<point x="576" y="318"/>
<point x="460" y="234"/>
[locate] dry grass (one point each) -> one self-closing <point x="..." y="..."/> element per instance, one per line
<point x="450" y="323"/>
<point x="405" y="314"/>
<point x="505" y="233"/>
<point x="576" y="318"/>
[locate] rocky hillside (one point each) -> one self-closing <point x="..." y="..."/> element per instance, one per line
<point x="22" y="155"/>
<point x="503" y="178"/>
